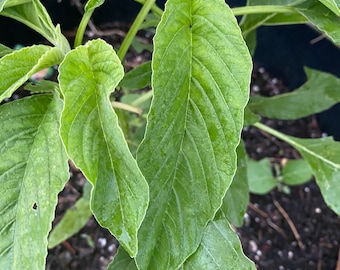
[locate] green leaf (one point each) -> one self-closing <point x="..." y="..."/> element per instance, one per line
<point x="260" y="176"/>
<point x="33" y="170"/>
<point x="296" y="172"/>
<point x="252" y="21"/>
<point x="15" y="71"/>
<point x="250" y="118"/>
<point x="35" y="16"/>
<point x="323" y="18"/>
<point x="220" y="249"/>
<point x="236" y="200"/>
<point x="74" y="219"/>
<point x="332" y="5"/>
<point x="91" y="5"/>
<point x="96" y="144"/>
<point x="137" y="78"/>
<point x="11" y="3"/>
<point x="122" y="260"/>
<point x="303" y="101"/>
<point x="201" y="71"/>
<point x="323" y="156"/>
<point x="4" y="50"/>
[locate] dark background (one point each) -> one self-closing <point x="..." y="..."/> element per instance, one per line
<point x="283" y="51"/>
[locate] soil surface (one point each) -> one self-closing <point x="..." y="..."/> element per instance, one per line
<point x="281" y="231"/>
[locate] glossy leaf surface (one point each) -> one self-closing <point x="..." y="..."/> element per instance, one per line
<point x="33" y="170"/>
<point x="201" y="71"/>
<point x="320" y="92"/>
<point x="96" y="144"/>
<point x="16" y="71"/>
<point x="220" y="249"/>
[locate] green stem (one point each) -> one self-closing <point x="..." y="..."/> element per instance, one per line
<point x="155" y="9"/>
<point x="262" y="9"/>
<point x="143" y="98"/>
<point x="134" y="28"/>
<point x="277" y="134"/>
<point x="82" y="27"/>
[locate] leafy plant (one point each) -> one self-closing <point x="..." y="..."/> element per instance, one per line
<point x="170" y="206"/>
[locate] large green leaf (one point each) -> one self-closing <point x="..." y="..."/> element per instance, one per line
<point x="201" y="72"/>
<point x="236" y="200"/>
<point x="17" y="67"/>
<point x="33" y="170"/>
<point x="220" y="249"/>
<point x="320" y="92"/>
<point x="35" y="16"/>
<point x="323" y="156"/>
<point x="96" y="144"/>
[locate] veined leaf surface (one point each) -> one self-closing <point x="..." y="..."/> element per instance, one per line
<point x="220" y="249"/>
<point x="96" y="144"/>
<point x="201" y="72"/>
<point x="33" y="170"/>
<point x="18" y="66"/>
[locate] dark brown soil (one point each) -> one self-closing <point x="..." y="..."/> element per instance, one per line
<point x="280" y="231"/>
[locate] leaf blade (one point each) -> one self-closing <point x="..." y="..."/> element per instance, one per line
<point x="303" y="101"/>
<point x="33" y="171"/>
<point x="188" y="154"/>
<point x="220" y="248"/>
<point x="120" y="193"/>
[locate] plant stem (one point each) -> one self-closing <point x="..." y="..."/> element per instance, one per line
<point x="82" y="27"/>
<point x="155" y="9"/>
<point x="143" y="98"/>
<point x="262" y="9"/>
<point x="277" y="134"/>
<point x="134" y="28"/>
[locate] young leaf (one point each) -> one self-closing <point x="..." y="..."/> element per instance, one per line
<point x="236" y="200"/>
<point x="74" y="219"/>
<point x="95" y="142"/>
<point x="33" y="170"/>
<point x="17" y="67"/>
<point x="296" y="172"/>
<point x="220" y="249"/>
<point x="260" y="176"/>
<point x="201" y="72"/>
<point x="303" y="101"/>
<point x="35" y="16"/>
